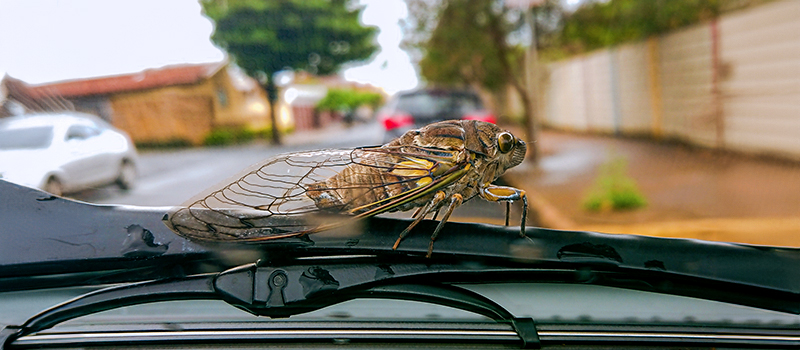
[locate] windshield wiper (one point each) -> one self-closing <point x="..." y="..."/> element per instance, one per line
<point x="289" y="290"/>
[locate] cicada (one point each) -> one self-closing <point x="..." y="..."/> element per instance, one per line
<point x="436" y="167"/>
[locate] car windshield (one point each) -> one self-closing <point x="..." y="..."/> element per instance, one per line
<point x="26" y="138"/>
<point x="574" y="162"/>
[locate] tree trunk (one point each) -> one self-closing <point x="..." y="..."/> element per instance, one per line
<point x="530" y="118"/>
<point x="530" y="121"/>
<point x="272" y="97"/>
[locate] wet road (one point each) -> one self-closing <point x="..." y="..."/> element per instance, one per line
<point x="173" y="177"/>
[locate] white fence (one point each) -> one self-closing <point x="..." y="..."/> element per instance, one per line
<point x="732" y="83"/>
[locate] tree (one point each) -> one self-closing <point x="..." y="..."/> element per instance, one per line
<point x="267" y="36"/>
<point x="598" y="24"/>
<point x="466" y="42"/>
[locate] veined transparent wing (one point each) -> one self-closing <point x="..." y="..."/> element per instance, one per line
<point x="298" y="193"/>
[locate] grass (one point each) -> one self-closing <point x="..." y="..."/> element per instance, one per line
<point x="614" y="189"/>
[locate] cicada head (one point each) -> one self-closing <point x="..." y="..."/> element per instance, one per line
<point x="511" y="150"/>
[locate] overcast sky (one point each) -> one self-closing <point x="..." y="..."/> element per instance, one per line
<point x="51" y="40"/>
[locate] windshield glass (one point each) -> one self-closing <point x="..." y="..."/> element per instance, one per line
<point x="26" y="138"/>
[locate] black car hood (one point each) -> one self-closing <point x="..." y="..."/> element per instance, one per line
<point x="49" y="241"/>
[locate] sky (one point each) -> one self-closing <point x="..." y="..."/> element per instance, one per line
<point x="51" y="40"/>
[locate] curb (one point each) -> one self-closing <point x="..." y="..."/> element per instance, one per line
<point x="772" y="231"/>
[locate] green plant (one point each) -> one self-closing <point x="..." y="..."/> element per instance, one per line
<point x="235" y="135"/>
<point x="166" y="144"/>
<point x="348" y="100"/>
<point x="613" y="189"/>
<point x="219" y="137"/>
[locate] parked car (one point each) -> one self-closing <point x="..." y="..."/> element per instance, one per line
<point x="65" y="152"/>
<point x="414" y="109"/>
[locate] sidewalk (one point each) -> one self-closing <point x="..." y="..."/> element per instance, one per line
<point x="691" y="192"/>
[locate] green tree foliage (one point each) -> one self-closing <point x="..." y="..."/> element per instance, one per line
<point x="267" y="36"/>
<point x="348" y="100"/>
<point x="601" y="24"/>
<point x="461" y="51"/>
<point x="459" y="46"/>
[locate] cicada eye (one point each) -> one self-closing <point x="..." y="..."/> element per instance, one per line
<point x="505" y="142"/>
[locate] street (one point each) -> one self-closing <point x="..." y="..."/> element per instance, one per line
<point x="172" y="177"/>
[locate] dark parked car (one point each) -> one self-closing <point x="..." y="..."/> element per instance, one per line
<point x="414" y="109"/>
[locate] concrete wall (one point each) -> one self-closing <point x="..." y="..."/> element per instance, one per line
<point x="733" y="83"/>
<point x="760" y="85"/>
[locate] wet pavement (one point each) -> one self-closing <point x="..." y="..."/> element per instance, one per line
<point x="691" y="192"/>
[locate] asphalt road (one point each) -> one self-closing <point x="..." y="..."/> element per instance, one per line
<point x="172" y="177"/>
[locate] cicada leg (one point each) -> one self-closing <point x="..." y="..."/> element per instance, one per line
<point x="507" y="194"/>
<point x="437" y="198"/>
<point x="508" y="211"/>
<point x="455" y="201"/>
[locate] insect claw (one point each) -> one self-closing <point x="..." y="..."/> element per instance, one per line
<point x="508" y="211"/>
<point x="397" y="243"/>
<point x="430" y="250"/>
<point x="524" y="215"/>
<point x="408" y="229"/>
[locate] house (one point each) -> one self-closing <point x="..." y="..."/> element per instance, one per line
<point x="307" y="90"/>
<point x="181" y="103"/>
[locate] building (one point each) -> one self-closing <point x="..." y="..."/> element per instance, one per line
<point x="307" y="90"/>
<point x="181" y="103"/>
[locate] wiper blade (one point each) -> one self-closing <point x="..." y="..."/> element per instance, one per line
<point x="285" y="291"/>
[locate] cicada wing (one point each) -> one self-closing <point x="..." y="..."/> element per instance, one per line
<point x="265" y="200"/>
<point x="297" y="193"/>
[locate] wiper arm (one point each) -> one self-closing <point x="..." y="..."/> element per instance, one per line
<point x="286" y="290"/>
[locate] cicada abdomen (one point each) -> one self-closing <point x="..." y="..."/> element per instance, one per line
<point x="440" y="165"/>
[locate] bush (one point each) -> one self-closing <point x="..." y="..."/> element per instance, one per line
<point x="348" y="100"/>
<point x="219" y="137"/>
<point x="613" y="189"/>
<point x="229" y="136"/>
<point x="167" y="144"/>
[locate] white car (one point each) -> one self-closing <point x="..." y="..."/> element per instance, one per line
<point x="65" y="152"/>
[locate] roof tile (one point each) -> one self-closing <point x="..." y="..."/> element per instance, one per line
<point x="151" y="78"/>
